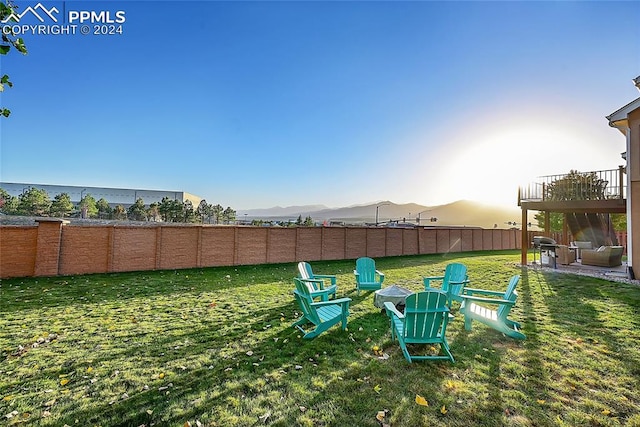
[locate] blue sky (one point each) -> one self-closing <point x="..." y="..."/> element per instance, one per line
<point x="258" y="104"/>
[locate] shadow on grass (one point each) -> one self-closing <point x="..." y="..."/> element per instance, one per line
<point x="597" y="311"/>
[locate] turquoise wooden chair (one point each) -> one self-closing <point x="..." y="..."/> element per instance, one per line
<point x="476" y="306"/>
<point x="316" y="282"/>
<point x="367" y="277"/>
<point x="322" y="315"/>
<point x="424" y="321"/>
<point x="454" y="280"/>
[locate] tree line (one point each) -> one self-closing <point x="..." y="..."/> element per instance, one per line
<point x="36" y="202"/>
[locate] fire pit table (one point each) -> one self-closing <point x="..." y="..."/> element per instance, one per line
<point x="394" y="294"/>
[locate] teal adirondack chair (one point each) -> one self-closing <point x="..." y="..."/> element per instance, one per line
<point x="424" y="321"/>
<point x="322" y="315"/>
<point x="476" y="307"/>
<point x="367" y="277"/>
<point x="453" y="281"/>
<point x="317" y="281"/>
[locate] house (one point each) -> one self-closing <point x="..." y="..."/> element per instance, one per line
<point x="627" y="121"/>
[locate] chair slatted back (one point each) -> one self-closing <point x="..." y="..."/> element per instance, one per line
<point x="305" y="300"/>
<point x="426" y="315"/>
<point x="454" y="273"/>
<point x="304" y="270"/>
<point x="366" y="268"/>
<point x="509" y="295"/>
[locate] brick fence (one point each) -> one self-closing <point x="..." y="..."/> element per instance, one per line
<point x="54" y="247"/>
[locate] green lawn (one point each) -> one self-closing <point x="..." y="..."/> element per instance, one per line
<point x="215" y="347"/>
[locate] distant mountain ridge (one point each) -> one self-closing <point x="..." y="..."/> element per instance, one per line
<point x="460" y="213"/>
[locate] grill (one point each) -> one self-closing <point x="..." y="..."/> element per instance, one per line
<point x="548" y="246"/>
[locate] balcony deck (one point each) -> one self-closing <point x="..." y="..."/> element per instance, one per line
<point x="592" y="192"/>
<point x="574" y="193"/>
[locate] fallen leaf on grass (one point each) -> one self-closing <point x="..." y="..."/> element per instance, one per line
<point x="377" y="388"/>
<point x="264" y="417"/>
<point x="443" y="410"/>
<point x="541" y="401"/>
<point x="606" y="412"/>
<point x="64" y="381"/>
<point x="421" y="400"/>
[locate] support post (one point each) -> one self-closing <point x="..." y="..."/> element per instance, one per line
<point x="525" y="238"/>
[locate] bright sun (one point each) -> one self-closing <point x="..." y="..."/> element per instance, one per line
<point x="493" y="167"/>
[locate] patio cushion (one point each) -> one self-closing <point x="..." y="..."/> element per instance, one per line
<point x="610" y="256"/>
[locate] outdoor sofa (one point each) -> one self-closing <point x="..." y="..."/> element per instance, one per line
<point x="604" y="256"/>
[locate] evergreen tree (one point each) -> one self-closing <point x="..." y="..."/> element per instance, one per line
<point x="229" y="215"/>
<point x="87" y="206"/>
<point x="204" y="211"/>
<point x="104" y="210"/>
<point x="8" y="203"/>
<point x="61" y="205"/>
<point x="216" y="211"/>
<point x="119" y="212"/>
<point x="153" y="214"/>
<point x="34" y="202"/>
<point x="137" y="211"/>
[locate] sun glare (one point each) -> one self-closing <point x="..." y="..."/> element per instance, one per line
<point x="492" y="166"/>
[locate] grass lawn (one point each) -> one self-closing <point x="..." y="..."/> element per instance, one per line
<point x="215" y="347"/>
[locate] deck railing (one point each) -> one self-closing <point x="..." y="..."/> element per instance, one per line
<point x="596" y="185"/>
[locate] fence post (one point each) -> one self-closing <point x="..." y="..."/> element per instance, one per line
<point x="48" y="246"/>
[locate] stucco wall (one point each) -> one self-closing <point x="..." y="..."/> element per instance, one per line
<point x="633" y="165"/>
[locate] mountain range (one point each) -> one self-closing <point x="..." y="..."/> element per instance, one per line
<point x="462" y="213"/>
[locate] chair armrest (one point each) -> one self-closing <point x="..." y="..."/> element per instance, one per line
<point x="318" y="282"/>
<point x="487" y="300"/>
<point x="332" y="277"/>
<point x="391" y="309"/>
<point x="427" y="280"/>
<point x="482" y="292"/>
<point x="381" y="274"/>
<point x="340" y="301"/>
